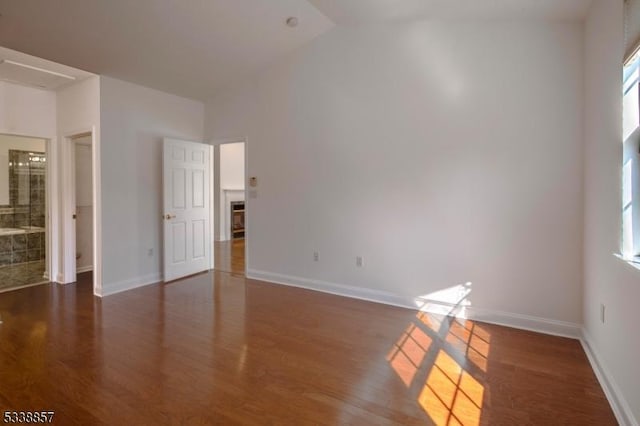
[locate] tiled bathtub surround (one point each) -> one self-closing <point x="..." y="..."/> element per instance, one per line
<point x="14" y="217"/>
<point x="21" y="247"/>
<point x="21" y="275"/>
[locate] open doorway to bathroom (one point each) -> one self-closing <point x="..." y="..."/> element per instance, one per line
<point x="82" y="146"/>
<point x="23" y="233"/>
<point x="229" y="206"/>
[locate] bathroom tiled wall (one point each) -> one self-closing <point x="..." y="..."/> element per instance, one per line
<point x="21" y="248"/>
<point x="26" y="189"/>
<point x="27" y="209"/>
<point x="6" y="217"/>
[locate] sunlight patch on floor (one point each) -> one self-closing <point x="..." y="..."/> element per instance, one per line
<point x="451" y="395"/>
<point x="408" y="352"/>
<point x="471" y="340"/>
<point x="442" y="361"/>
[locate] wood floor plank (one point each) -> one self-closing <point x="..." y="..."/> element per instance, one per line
<point x="218" y="348"/>
<point x="229" y="256"/>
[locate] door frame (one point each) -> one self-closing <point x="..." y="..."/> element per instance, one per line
<point x="67" y="208"/>
<point x="50" y="255"/>
<point x="247" y="221"/>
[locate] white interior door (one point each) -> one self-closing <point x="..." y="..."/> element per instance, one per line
<point x="186" y="177"/>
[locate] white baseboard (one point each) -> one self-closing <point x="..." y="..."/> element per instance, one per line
<point x="371" y="295"/>
<point x="616" y="399"/>
<point x="524" y="322"/>
<point x="84" y="269"/>
<point x="118" y="287"/>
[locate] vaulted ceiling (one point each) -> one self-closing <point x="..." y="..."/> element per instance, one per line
<point x="190" y="47"/>
<point x="193" y="48"/>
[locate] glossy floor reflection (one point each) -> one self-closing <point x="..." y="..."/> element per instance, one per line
<point x="229" y="256"/>
<point x="219" y="349"/>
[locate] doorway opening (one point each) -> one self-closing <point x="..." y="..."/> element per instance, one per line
<point x="23" y="212"/>
<point x="83" y="151"/>
<point x="230" y="206"/>
<point x="80" y="259"/>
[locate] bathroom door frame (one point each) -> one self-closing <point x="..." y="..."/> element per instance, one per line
<point x="50" y="272"/>
<point x="68" y="208"/>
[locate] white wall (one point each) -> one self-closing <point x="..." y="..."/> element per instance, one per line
<point x="27" y="111"/>
<point x="442" y="152"/>
<point x="84" y="203"/>
<point x="232" y="165"/>
<point x="8" y="142"/>
<point x="231" y="183"/>
<point x="134" y="120"/>
<point x="608" y="279"/>
<point x="78" y="108"/>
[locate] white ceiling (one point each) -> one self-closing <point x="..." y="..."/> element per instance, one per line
<point x="190" y="48"/>
<point x="365" y="11"/>
<point x="195" y="47"/>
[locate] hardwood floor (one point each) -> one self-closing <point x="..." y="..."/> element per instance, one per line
<point x="221" y="349"/>
<point x="229" y="256"/>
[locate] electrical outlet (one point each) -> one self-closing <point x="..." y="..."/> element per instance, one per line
<point x="359" y="261"/>
<point x="602" y="309"/>
<point x="150" y="252"/>
<point x="316" y="256"/>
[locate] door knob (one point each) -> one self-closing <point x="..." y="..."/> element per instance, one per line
<point x="169" y="216"/>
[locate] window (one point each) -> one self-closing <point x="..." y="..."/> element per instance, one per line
<point x="631" y="158"/>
